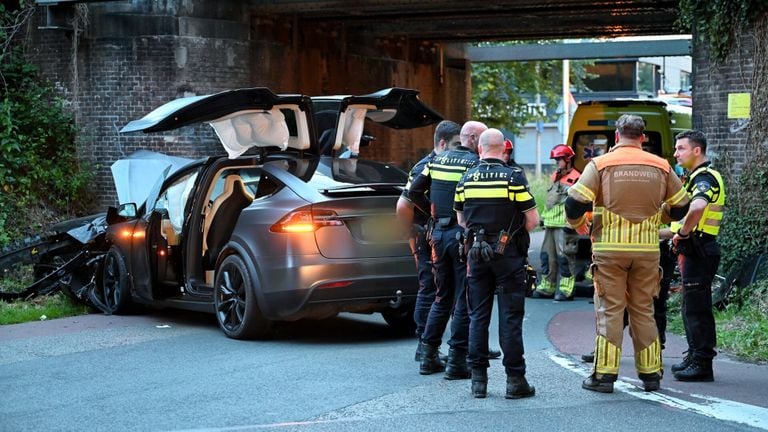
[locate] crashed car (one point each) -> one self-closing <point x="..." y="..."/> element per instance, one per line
<point x="276" y="230"/>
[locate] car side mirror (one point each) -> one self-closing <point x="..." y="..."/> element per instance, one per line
<point x="122" y="213"/>
<point x="127" y="210"/>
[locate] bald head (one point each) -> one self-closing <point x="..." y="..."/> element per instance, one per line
<point x="470" y="134"/>
<point x="492" y="144"/>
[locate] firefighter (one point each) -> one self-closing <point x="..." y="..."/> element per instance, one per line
<point x="695" y="239"/>
<point x="558" y="250"/>
<point x="630" y="189"/>
<point x="440" y="177"/>
<point x="495" y="206"/>
<point x="414" y="219"/>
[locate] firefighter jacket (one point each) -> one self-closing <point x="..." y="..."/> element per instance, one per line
<point x="439" y="177"/>
<point x="421" y="204"/>
<point x="553" y="215"/>
<point x="627" y="186"/>
<point x="493" y="196"/>
<point x="707" y="184"/>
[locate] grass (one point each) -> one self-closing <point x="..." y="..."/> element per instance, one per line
<point x="742" y="330"/>
<point x="41" y="308"/>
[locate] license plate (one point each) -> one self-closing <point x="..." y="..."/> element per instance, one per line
<point x="381" y="230"/>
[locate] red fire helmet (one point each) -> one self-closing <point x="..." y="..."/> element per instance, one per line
<point x="562" y="151"/>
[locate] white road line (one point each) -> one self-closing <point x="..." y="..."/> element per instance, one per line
<point x="721" y="409"/>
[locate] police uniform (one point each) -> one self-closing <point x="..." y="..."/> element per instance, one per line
<point x="439" y="177"/>
<point x="627" y="186"/>
<point x="558" y="250"/>
<point x="423" y="254"/>
<point x="494" y="197"/>
<point x="698" y="259"/>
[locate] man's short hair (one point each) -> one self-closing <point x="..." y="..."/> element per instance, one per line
<point x="630" y="126"/>
<point x="696" y="138"/>
<point x="446" y="130"/>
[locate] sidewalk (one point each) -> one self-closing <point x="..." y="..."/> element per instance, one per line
<point x="572" y="333"/>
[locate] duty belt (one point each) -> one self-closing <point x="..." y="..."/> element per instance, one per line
<point x="704" y="236"/>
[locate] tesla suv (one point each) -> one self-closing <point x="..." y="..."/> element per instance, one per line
<point x="276" y="230"/>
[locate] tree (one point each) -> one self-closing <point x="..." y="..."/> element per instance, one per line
<point x="501" y="91"/>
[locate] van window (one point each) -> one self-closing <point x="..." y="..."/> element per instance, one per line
<point x="588" y="145"/>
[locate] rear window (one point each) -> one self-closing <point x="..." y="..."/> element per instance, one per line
<point x="355" y="174"/>
<point x="333" y="175"/>
<point x="588" y="145"/>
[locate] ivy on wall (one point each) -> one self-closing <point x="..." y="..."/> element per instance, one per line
<point x="720" y="24"/>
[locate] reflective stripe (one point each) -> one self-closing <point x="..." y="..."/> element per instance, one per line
<point x="554" y="217"/>
<point x="607" y="356"/>
<point x="520" y="196"/>
<point x="617" y="233"/>
<point x="648" y="360"/>
<point x="676" y="198"/>
<point x="713" y="213"/>
<point x="584" y="191"/>
<point x="447" y="176"/>
<point x="485" y="193"/>
<point x="624" y="247"/>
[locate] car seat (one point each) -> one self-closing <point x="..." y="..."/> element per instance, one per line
<point x="221" y="217"/>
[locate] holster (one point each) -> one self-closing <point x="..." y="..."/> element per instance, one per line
<point x="430" y="227"/>
<point x="691" y="247"/>
<point x="522" y="241"/>
<point x="461" y="237"/>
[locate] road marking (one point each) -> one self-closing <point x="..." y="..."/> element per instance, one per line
<point x="721" y="409"/>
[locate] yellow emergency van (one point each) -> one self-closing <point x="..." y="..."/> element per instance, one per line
<point x="592" y="129"/>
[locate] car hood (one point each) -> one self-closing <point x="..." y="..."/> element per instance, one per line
<point x="257" y="117"/>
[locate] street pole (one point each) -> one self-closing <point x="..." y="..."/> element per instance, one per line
<point x="566" y="99"/>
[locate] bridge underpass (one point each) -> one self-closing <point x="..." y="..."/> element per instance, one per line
<point x="132" y="56"/>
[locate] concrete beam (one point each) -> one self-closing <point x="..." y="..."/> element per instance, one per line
<point x="584" y="50"/>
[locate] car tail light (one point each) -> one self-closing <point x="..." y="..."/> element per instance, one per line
<point x="303" y="221"/>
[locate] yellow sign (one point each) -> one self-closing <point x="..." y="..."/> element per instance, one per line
<point x="738" y="105"/>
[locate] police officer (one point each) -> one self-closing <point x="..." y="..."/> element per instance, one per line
<point x="558" y="250"/>
<point x="628" y="187"/>
<point x="699" y="255"/>
<point x="440" y="177"/>
<point x="414" y="219"/>
<point x="494" y="204"/>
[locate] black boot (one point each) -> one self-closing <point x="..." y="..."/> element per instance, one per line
<point x="479" y="382"/>
<point x="494" y="354"/>
<point x="518" y="388"/>
<point x="419" y="353"/>
<point x="601" y="383"/>
<point x="697" y="370"/>
<point x="456" y="368"/>
<point x="677" y="367"/>
<point x="430" y="362"/>
<point x="588" y="358"/>
<point x="651" y="382"/>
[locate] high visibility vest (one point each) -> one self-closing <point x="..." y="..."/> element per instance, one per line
<point x="713" y="213"/>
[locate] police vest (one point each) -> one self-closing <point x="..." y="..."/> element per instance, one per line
<point x="493" y="197"/>
<point x="446" y="170"/>
<point x="713" y="213"/>
<point x="554" y="211"/>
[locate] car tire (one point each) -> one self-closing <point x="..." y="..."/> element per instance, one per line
<point x="237" y="309"/>
<point x="401" y="320"/>
<point x="114" y="289"/>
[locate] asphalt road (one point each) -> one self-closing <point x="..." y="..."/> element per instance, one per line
<point x="176" y="371"/>
<point x="171" y="371"/>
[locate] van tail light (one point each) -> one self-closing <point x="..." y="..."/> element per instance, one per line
<point x="304" y="221"/>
